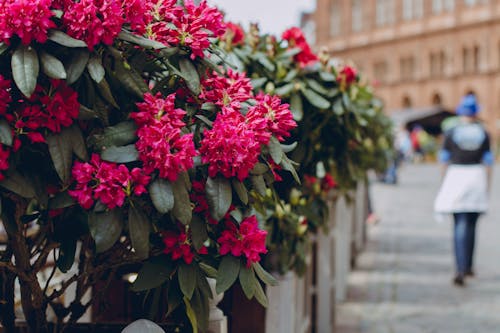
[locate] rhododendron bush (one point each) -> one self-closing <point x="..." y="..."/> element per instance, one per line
<point x="124" y="142"/>
<point x="341" y="133"/>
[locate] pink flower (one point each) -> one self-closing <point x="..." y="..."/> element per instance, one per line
<point x="230" y="147"/>
<point x="108" y="182"/>
<point x="277" y="117"/>
<point x="28" y="19"/>
<point x="161" y="145"/>
<point x="234" y="34"/>
<point x="346" y="77"/>
<point x="5" y="97"/>
<point x="295" y="38"/>
<point x="228" y="90"/>
<point x="179" y="246"/>
<point x="247" y="240"/>
<point x="4" y="160"/>
<point x="62" y="107"/>
<point x="137" y="14"/>
<point x="94" y="21"/>
<point x="189" y="25"/>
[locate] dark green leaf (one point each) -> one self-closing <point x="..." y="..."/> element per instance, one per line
<point x="264" y="276"/>
<point x="259" y="184"/>
<point x="5" y="133"/>
<point x="138" y="228"/>
<point x="51" y="66"/>
<point x="25" y="69"/>
<point x="123" y="154"/>
<point x="61" y="200"/>
<point x="190" y="75"/>
<point x="61" y="152"/>
<point x="74" y="134"/>
<point x="275" y="150"/>
<point x="227" y="273"/>
<point x="315" y="99"/>
<point x="289" y="148"/>
<point x="174" y="296"/>
<point x="128" y="76"/>
<point x="259" y="82"/>
<point x="76" y="66"/>
<point x="284" y="90"/>
<point x="199" y="232"/>
<point x="260" y="296"/>
<point x="17" y="183"/>
<point x="105" y="92"/>
<point x="96" y="71"/>
<point x="191" y="314"/>
<point x="3" y="47"/>
<point x="219" y="196"/>
<point x="264" y="61"/>
<point x="105" y="228"/>
<point x="259" y="169"/>
<point x="182" y="204"/>
<point x="67" y="252"/>
<point x="187" y="279"/>
<point x="162" y="195"/>
<point x="141" y="41"/>
<point x="154" y="272"/>
<point x="292" y="74"/>
<point x="237" y="215"/>
<point x="338" y="108"/>
<point x="63" y="39"/>
<point x="209" y="270"/>
<point x="316" y="86"/>
<point x="289" y="165"/>
<point x="290" y="53"/>
<point x="296" y="107"/>
<point x="205" y="120"/>
<point x="241" y="190"/>
<point x="248" y="281"/>
<point x="119" y="135"/>
<point x="202" y="284"/>
<point x="87" y="113"/>
<point x="328" y="77"/>
<point x="201" y="308"/>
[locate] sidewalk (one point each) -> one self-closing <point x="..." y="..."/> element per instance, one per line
<point x="402" y="283"/>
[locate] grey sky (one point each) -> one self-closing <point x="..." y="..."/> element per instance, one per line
<point x="273" y="16"/>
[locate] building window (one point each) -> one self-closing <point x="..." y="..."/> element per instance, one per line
<point x="384" y="12"/>
<point x="471" y="59"/>
<point x="439" y="6"/>
<point x="476" y="58"/>
<point x="357" y="15"/>
<point x="407" y="68"/>
<point x="407" y="102"/>
<point x="413" y="9"/>
<point x="436" y="99"/>
<point x="380" y="69"/>
<point x="336" y="19"/>
<point x="475" y="2"/>
<point x="437" y="64"/>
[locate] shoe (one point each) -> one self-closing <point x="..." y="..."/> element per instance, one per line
<point x="470" y="273"/>
<point x="459" y="281"/>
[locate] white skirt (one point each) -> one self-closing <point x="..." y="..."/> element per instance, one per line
<point x="464" y="189"/>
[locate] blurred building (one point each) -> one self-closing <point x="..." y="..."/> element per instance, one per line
<point x="419" y="53"/>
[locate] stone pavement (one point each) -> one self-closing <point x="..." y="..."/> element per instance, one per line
<point x="402" y="282"/>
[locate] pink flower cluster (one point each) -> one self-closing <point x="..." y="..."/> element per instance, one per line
<point x="189" y="25"/>
<point x="28" y="19"/>
<point x="199" y="197"/>
<point x="108" y="182"/>
<point x="178" y="244"/>
<point x="51" y="111"/>
<point x="346" y="77"/>
<point x="4" y="160"/>
<point x="5" y="97"/>
<point x="161" y="144"/>
<point x="246" y="240"/>
<point x="138" y="14"/>
<point x="228" y="91"/>
<point x="295" y="38"/>
<point x="234" y="34"/>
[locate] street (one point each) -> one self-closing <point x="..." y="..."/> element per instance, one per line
<point x="402" y="282"/>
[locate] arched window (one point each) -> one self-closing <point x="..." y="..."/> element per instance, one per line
<point x="436" y="99"/>
<point x="406" y="102"/>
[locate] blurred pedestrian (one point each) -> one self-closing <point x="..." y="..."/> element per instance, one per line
<point x="467" y="161"/>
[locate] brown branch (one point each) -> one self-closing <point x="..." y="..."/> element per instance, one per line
<point x="42" y="258"/>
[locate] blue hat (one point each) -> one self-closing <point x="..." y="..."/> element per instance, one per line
<point x="468" y="106"/>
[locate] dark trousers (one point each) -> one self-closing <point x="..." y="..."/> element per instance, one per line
<point x="464" y="239"/>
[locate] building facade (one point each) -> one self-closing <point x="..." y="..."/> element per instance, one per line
<point x="419" y="53"/>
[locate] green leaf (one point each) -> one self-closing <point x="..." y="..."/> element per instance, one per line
<point x="209" y="270"/>
<point x="289" y="165"/>
<point x="326" y="76"/>
<point x="191" y="315"/>
<point x="17" y="183"/>
<point x="200" y="305"/>
<point x="284" y="90"/>
<point x="119" y="135"/>
<point x="123" y="154"/>
<point x="290" y="53"/>
<point x="61" y="152"/>
<point x="227" y="273"/>
<point x="259" y="169"/>
<point x="5" y="133"/>
<point x="105" y="228"/>
<point x="74" y="134"/>
<point x="3" y="47"/>
<point x="51" y="66"/>
<point x="241" y="190"/>
<point x="105" y="92"/>
<point x="219" y="196"/>
<point x="338" y="108"/>
<point x="199" y="233"/>
<point x="315" y="99"/>
<point x="63" y="39"/>
<point x="259" y="184"/>
<point x="155" y="272"/>
<point x="316" y="86"/>
<point x="174" y="296"/>
<point x="187" y="279"/>
<point x="264" y="61"/>
<point x="76" y="66"/>
<point x="190" y="75"/>
<point x="292" y="74"/>
<point x="162" y="195"/>
<point x="248" y="281"/>
<point x="138" y="228"/>
<point x="207" y="121"/>
<point x="96" y="71"/>
<point x="66" y="256"/>
<point x="275" y="150"/>
<point x="290" y="147"/>
<point x="259" y="82"/>
<point x="296" y="107"/>
<point x="263" y="275"/>
<point x="128" y="76"/>
<point x="182" y="204"/>
<point x="61" y="200"/>
<point x="141" y="41"/>
<point x="25" y="69"/>
<point x="260" y="296"/>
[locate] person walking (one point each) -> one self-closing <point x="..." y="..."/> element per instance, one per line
<point x="467" y="161"/>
